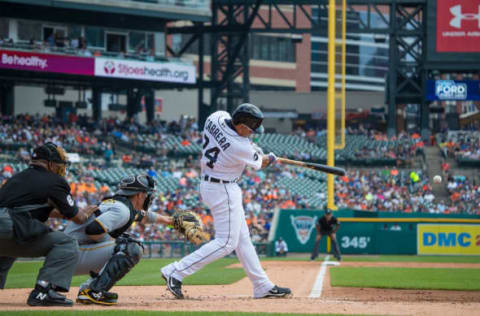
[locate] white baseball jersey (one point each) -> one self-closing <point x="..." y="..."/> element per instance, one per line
<point x="225" y="154"/>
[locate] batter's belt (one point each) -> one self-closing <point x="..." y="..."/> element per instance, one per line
<point x="215" y="180"/>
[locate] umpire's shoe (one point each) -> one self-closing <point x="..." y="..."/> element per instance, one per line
<point x="277" y="291"/>
<point x="46" y="296"/>
<point x="88" y="296"/>
<point x="174" y="286"/>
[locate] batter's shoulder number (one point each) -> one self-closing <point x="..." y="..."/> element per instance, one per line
<point x="211" y="154"/>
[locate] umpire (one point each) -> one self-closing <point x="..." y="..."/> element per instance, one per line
<point x="27" y="200"/>
<point x="327" y="225"/>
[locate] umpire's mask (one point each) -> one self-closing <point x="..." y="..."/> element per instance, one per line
<point x="54" y="155"/>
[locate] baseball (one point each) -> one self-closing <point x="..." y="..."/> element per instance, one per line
<point x="437" y="179"/>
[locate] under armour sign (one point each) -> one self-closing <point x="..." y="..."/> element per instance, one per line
<point x="458" y="26"/>
<point x="460" y="16"/>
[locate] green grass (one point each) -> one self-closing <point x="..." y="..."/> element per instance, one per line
<point x="444" y="259"/>
<point x="385" y="258"/>
<point x="406" y="278"/>
<point x="147" y="272"/>
<point x="143" y="313"/>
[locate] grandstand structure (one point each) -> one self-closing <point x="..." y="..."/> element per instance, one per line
<point x="254" y="45"/>
<point x="115" y="47"/>
<point x="234" y="51"/>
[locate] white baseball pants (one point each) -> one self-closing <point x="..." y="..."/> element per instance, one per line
<point x="231" y="233"/>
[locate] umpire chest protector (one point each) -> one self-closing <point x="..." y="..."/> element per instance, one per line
<point x="133" y="215"/>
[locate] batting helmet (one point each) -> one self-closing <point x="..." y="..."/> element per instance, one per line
<point x="249" y="115"/>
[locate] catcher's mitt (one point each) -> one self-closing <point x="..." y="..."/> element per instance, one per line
<point x="190" y="225"/>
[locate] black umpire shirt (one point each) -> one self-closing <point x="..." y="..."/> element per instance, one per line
<point x="36" y="185"/>
<point x="327" y="226"/>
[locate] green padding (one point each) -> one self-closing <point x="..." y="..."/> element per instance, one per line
<point x="297" y="228"/>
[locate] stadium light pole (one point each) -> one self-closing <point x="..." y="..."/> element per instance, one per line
<point x="331" y="103"/>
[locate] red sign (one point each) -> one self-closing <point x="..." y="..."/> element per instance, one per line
<point x="158" y="105"/>
<point x="458" y="26"/>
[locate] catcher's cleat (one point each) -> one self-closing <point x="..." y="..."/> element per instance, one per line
<point x="277" y="292"/>
<point x="47" y="297"/>
<point x="174" y="286"/>
<point x="87" y="296"/>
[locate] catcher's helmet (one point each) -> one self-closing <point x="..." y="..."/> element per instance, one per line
<point x="132" y="185"/>
<point x="249" y="115"/>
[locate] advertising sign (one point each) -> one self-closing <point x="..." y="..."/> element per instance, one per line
<point x="32" y="61"/>
<point x="453" y="90"/>
<point x="140" y="70"/>
<point x="303" y="226"/>
<point x="458" y="26"/>
<point x="451" y="239"/>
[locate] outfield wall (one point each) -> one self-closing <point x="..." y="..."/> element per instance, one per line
<point x="383" y="233"/>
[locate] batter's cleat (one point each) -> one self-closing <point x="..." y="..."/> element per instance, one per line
<point x="277" y="291"/>
<point x="88" y="296"/>
<point x="47" y="297"/>
<point x="174" y="286"/>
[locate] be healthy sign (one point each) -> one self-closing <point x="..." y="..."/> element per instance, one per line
<point x="140" y="70"/>
<point x="449" y="239"/>
<point x="31" y="61"/>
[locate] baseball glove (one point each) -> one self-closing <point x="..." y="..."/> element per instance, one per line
<point x="190" y="225"/>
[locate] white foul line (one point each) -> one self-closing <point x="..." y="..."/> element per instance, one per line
<point x="318" y="285"/>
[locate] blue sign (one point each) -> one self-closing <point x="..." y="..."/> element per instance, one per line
<point x="451" y="90"/>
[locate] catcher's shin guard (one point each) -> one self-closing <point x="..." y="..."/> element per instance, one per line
<point x="126" y="255"/>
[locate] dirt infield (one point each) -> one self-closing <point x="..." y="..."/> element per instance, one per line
<point x="300" y="277"/>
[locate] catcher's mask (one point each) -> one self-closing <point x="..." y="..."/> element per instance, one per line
<point x="52" y="154"/>
<point x="132" y="185"/>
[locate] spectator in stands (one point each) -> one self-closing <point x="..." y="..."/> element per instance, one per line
<point x="108" y="155"/>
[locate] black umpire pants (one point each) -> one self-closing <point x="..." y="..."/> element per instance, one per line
<point x="336" y="249"/>
<point x="60" y="252"/>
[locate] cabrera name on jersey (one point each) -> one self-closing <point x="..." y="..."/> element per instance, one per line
<point x="225" y="153"/>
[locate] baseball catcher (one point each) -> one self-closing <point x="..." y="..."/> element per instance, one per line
<point x="106" y="252"/>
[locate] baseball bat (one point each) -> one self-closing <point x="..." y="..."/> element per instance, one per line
<point x="315" y="166"/>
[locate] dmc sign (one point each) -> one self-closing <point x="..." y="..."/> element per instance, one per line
<point x="447" y="239"/>
<point x="453" y="239"/>
<point x="450" y="90"/>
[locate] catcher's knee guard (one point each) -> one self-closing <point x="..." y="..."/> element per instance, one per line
<point x="126" y="255"/>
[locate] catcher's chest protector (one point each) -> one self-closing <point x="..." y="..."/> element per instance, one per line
<point x="133" y="214"/>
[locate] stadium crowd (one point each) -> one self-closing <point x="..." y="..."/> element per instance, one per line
<point x="79" y="46"/>
<point x="461" y="144"/>
<point x="373" y="189"/>
<point x="84" y="136"/>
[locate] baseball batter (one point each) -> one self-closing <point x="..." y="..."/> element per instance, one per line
<point x="226" y="152"/>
